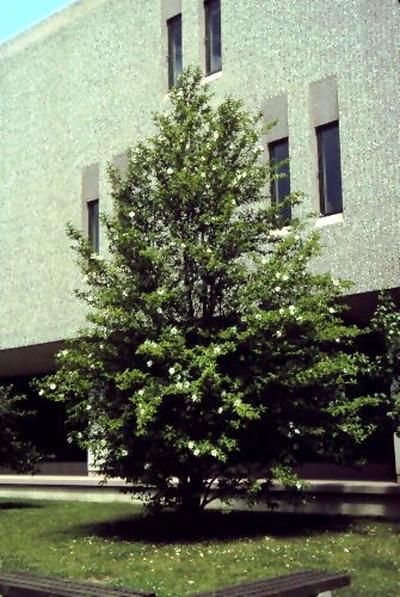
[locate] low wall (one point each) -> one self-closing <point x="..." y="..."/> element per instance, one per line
<point x="352" y="498"/>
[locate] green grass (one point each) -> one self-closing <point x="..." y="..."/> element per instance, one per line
<point x="116" y="544"/>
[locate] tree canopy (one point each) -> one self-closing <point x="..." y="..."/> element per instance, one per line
<point x="214" y="355"/>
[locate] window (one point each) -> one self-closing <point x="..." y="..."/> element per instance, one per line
<point x="93" y="223"/>
<point x="280" y="187"/>
<point x="213" y="36"/>
<point x="330" y="179"/>
<point x="174" y="26"/>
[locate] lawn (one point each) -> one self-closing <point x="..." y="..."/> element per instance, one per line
<point x="115" y="543"/>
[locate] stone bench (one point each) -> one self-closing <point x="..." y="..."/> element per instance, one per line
<point x="36" y="585"/>
<point x="309" y="583"/>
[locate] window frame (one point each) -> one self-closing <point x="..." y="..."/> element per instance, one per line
<point x="277" y="186"/>
<point x="173" y="66"/>
<point x="213" y="50"/>
<point x="329" y="169"/>
<point x="93" y="223"/>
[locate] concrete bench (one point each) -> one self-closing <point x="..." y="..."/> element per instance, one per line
<point x="298" y="584"/>
<point x="310" y="583"/>
<point x="36" y="585"/>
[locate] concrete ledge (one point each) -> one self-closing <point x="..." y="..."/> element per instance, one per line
<point x="353" y="498"/>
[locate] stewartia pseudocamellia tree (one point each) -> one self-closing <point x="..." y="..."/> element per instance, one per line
<point x="210" y="345"/>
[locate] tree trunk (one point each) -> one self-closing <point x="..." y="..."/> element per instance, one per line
<point x="191" y="492"/>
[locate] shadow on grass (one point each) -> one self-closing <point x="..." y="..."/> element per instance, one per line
<point x="18" y="505"/>
<point x="213" y="525"/>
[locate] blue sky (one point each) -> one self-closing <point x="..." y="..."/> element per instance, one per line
<point x="18" y="15"/>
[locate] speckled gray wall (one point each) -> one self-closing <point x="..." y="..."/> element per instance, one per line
<point x="81" y="87"/>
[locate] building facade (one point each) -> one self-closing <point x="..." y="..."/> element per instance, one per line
<point x="80" y="88"/>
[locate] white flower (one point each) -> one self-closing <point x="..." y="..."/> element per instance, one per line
<point x="171" y="370"/>
<point x="191" y="445"/>
<point x="160" y="291"/>
<point x="41" y="392"/>
<point x="149" y="363"/>
<point x="131" y="214"/>
<point x="196" y="452"/>
<point x="220" y="410"/>
<point x="258" y="316"/>
<point x="174" y="331"/>
<point x="277" y="289"/>
<point x="335" y="282"/>
<point x="141" y="392"/>
<point x="331" y="310"/>
<point x="297" y="431"/>
<point x="279" y="334"/>
<point x="179" y="385"/>
<point x="159" y="310"/>
<point x="285" y="277"/>
<point x="169" y="170"/>
<point x="281" y="311"/>
<point x="292" y="309"/>
<point x="217" y="350"/>
<point x="52" y="386"/>
<point x="90" y="299"/>
<point x="278" y="275"/>
<point x="214" y="453"/>
<point x="194" y="398"/>
<point x="88" y="407"/>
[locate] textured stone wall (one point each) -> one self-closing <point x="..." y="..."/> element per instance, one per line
<point x="80" y="87"/>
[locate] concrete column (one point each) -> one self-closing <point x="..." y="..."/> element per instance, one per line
<point x="396" y="445"/>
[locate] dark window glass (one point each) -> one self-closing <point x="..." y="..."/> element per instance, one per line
<point x="93" y="223"/>
<point x="174" y="49"/>
<point x="330" y="178"/>
<point x="213" y="36"/>
<point x="280" y="188"/>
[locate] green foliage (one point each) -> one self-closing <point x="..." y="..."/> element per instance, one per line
<point x="16" y="453"/>
<point x="386" y="324"/>
<point x="211" y="346"/>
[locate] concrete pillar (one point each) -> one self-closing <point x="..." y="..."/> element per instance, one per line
<point x="396" y="443"/>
